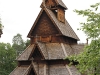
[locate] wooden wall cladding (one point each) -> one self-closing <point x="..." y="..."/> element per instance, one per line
<point x="50" y="3"/>
<point x="44" y="26"/>
<point x="61" y="15"/>
<point x="53" y="39"/>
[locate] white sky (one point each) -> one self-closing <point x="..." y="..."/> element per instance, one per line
<point x="18" y="16"/>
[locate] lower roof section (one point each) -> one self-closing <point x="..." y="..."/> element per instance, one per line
<point x="22" y="70"/>
<point x="51" y="51"/>
<point x="46" y="69"/>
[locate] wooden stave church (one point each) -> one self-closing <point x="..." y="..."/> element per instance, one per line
<point x="52" y="40"/>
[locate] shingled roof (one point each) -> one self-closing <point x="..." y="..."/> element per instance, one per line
<point x="60" y="2"/>
<point x="64" y="28"/>
<point x="22" y="70"/>
<point x="26" y="54"/>
<point x="54" y="69"/>
<point x="52" y="50"/>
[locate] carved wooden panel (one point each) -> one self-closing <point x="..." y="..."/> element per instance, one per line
<point x="44" y="26"/>
<point x="61" y="15"/>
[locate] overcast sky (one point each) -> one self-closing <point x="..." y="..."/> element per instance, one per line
<point x="18" y="16"/>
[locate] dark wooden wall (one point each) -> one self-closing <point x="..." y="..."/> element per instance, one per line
<point x="44" y="26"/>
<point x="54" y="39"/>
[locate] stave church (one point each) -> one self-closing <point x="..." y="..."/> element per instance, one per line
<point x="52" y="40"/>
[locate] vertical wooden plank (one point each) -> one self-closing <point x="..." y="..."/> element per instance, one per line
<point x="44" y="69"/>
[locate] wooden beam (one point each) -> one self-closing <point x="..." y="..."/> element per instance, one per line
<point x="64" y="49"/>
<point x="70" y="73"/>
<point x="44" y="69"/>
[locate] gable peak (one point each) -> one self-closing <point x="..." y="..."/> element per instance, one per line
<point x="53" y="4"/>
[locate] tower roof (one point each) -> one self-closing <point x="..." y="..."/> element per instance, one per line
<point x="59" y="2"/>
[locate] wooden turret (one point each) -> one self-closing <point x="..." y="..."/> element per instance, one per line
<point x="52" y="40"/>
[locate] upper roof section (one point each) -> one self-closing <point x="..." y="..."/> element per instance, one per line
<point x="64" y="28"/>
<point x="53" y="3"/>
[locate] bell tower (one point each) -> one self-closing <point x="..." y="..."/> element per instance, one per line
<point x="58" y="6"/>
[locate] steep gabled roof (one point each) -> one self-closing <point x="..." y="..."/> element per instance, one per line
<point x="36" y="21"/>
<point x="26" y="54"/>
<point x="30" y="50"/>
<point x="64" y="28"/>
<point x="22" y="70"/>
<point x="60" y="2"/>
<point x="58" y="69"/>
<point x="51" y="51"/>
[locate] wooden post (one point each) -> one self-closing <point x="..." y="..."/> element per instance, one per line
<point x="44" y="69"/>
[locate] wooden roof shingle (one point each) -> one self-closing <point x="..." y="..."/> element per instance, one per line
<point x="64" y="28"/>
<point x="58" y="69"/>
<point x="26" y="54"/>
<point x="60" y="2"/>
<point x="74" y="70"/>
<point x="52" y="51"/>
<point x="22" y="70"/>
<point x="55" y="51"/>
<point x="78" y="48"/>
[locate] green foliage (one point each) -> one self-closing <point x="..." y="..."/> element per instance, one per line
<point x="27" y="43"/>
<point x="19" y="44"/>
<point x="89" y="59"/>
<point x="1" y="24"/>
<point x="92" y="25"/>
<point x="7" y="58"/>
<point x="8" y="54"/>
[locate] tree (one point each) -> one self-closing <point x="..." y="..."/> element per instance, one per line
<point x="27" y="43"/>
<point x="89" y="59"/>
<point x="7" y="58"/>
<point x="0" y="24"/>
<point x="0" y="28"/>
<point x="19" y="44"/>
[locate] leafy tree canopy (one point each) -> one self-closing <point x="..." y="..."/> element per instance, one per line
<point x="89" y="59"/>
<point x="7" y="58"/>
<point x="19" y="44"/>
